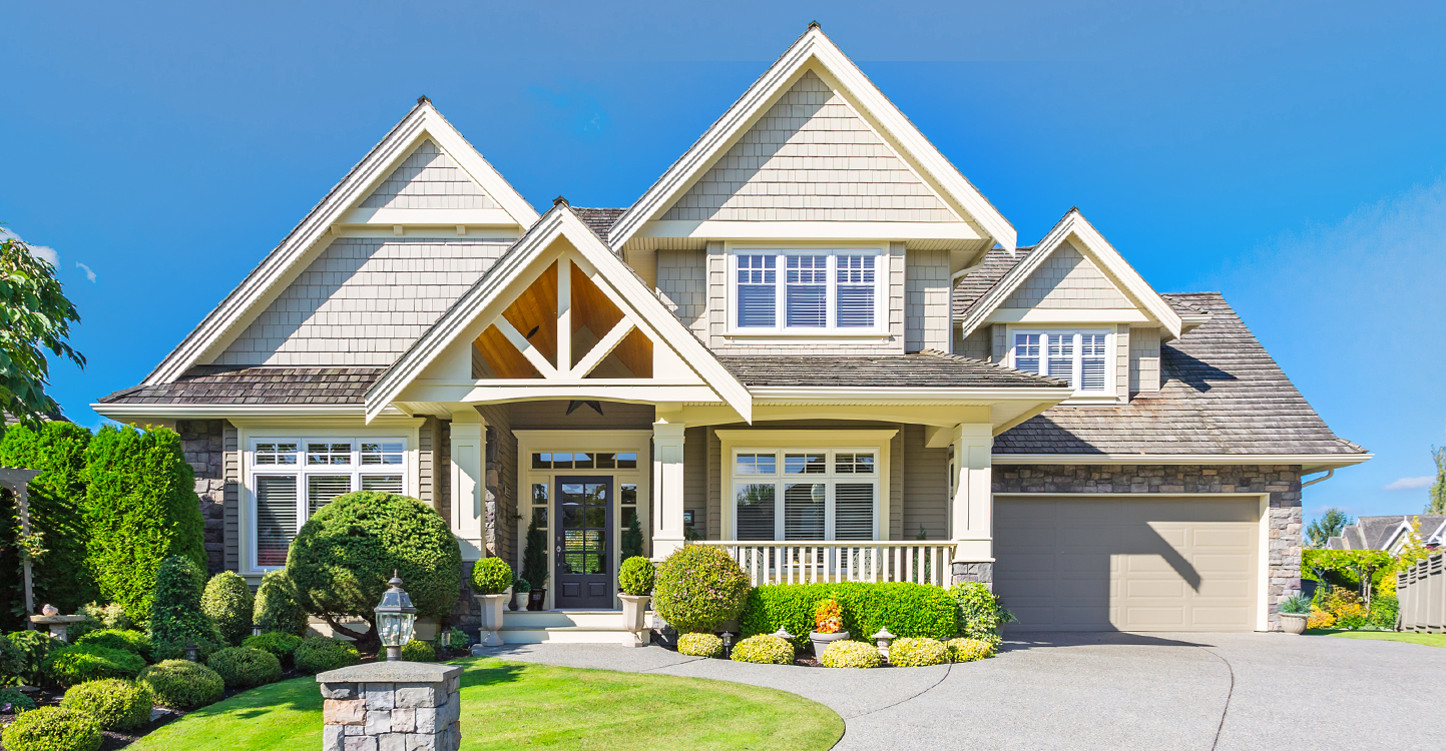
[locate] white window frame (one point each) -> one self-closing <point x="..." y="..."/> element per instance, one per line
<point x="1076" y="376"/>
<point x="780" y="256"/>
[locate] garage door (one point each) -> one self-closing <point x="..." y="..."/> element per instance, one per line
<point x="1122" y="564"/>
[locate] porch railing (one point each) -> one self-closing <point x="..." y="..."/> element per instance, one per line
<point x="807" y="561"/>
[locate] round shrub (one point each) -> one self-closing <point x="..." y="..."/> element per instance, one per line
<point x="969" y="650"/>
<point x="417" y="650"/>
<point x="344" y="555"/>
<point x="851" y="654"/>
<point x="181" y="684"/>
<point x="275" y="607"/>
<point x="32" y="649"/>
<point x="916" y="653"/>
<point x="699" y="588"/>
<point x="113" y="704"/>
<point x="52" y="729"/>
<point x="79" y="663"/>
<point x="278" y="644"/>
<point x="176" y="614"/>
<point x="14" y="701"/>
<point x="241" y="668"/>
<point x="227" y="601"/>
<point x="319" y="654"/>
<point x="175" y="649"/>
<point x="636" y="576"/>
<point x="765" y="649"/>
<point x="700" y="645"/>
<point x="491" y="576"/>
<point x="114" y="638"/>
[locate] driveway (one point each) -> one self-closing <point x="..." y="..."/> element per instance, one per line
<point x="1104" y="691"/>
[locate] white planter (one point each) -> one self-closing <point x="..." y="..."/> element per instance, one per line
<point x="821" y="641"/>
<point x="635" y="609"/>
<point x="1293" y="623"/>
<point x="492" y="608"/>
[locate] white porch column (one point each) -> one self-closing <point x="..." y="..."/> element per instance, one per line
<point x="469" y="482"/>
<point x="667" y="488"/>
<point x="972" y="511"/>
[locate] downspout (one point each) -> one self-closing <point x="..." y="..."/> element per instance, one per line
<point x="1322" y="478"/>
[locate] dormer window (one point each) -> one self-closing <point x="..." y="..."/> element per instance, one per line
<point x="1080" y="357"/>
<point x="807" y="291"/>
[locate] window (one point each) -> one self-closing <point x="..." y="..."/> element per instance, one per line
<point x="291" y="479"/>
<point x="805" y="494"/>
<point x="1080" y="357"/>
<point x="807" y="291"/>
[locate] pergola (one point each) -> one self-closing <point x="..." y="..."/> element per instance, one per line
<point x="17" y="481"/>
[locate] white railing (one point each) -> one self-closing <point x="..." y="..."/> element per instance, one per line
<point x="804" y="562"/>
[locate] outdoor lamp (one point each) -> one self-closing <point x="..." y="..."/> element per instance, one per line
<point x="783" y="634"/>
<point x="727" y="642"/>
<point x="255" y="630"/>
<point x="395" y="619"/>
<point x="883" y="638"/>
<point x="193" y="650"/>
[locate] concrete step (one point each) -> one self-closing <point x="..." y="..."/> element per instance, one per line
<point x="542" y="619"/>
<point x="569" y="635"/>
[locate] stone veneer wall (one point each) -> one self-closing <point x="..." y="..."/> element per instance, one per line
<point x="203" y="442"/>
<point x="1281" y="482"/>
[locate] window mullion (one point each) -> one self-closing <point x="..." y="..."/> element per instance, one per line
<point x="780" y="292"/>
<point x="830" y="291"/>
<point x="1078" y="361"/>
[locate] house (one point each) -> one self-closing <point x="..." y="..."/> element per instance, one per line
<point x="811" y="342"/>
<point x="1389" y="533"/>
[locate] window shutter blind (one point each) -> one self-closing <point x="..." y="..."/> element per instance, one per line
<point x="754" y="506"/>
<point x="853" y="510"/>
<point x="806" y="299"/>
<point x="1061" y="356"/>
<point x="275" y="518"/>
<point x="803" y="511"/>
<point x="757" y="292"/>
<point x="1092" y="362"/>
<point x="1026" y="352"/>
<point x="855" y="292"/>
<point x="320" y="489"/>
<point x="382" y="483"/>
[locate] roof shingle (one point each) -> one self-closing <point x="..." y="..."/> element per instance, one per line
<point x="924" y="369"/>
<point x="256" y="385"/>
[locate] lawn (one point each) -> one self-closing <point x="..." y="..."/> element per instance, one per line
<point x="509" y="705"/>
<point x="1430" y="640"/>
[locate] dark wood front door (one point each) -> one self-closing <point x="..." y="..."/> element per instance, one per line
<point x="584" y="542"/>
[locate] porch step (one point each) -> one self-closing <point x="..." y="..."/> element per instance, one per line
<point x="542" y="619"/>
<point x="565" y="627"/>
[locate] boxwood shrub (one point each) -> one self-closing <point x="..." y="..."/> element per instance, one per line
<point x="278" y="644"/>
<point x="700" y="645"/>
<point x="176" y="614"/>
<point x="227" y="601"/>
<point x="851" y="654"/>
<point x="113" y="704"/>
<point x="275" y="607"/>
<point x="114" y="638"/>
<point x="969" y="650"/>
<point x="919" y="610"/>
<point x="636" y="576"/>
<point x="763" y="648"/>
<point x="182" y="684"/>
<point x="52" y="729"/>
<point x="242" y="668"/>
<point x="980" y="612"/>
<point x="491" y="576"/>
<point x="417" y="650"/>
<point x="79" y="663"/>
<point x="699" y="588"/>
<point x="916" y="653"/>
<point x="319" y="654"/>
<point x="14" y="701"/>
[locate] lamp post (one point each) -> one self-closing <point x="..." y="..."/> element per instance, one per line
<point x="396" y="619"/>
<point x="883" y="639"/>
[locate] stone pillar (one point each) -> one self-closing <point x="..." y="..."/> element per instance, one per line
<point x="468" y="481"/>
<point x="667" y="488"/>
<point x="971" y="511"/>
<point x="392" y="706"/>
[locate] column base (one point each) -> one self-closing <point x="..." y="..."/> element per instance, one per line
<point x="662" y="548"/>
<point x="974" y="572"/>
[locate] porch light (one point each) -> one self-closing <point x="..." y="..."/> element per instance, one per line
<point x="193" y="650"/>
<point x="396" y="619"/>
<point x="727" y="642"/>
<point x="783" y="634"/>
<point x="883" y="638"/>
<point x="255" y="630"/>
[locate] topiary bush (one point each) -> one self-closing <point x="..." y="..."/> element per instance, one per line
<point x="227" y="601"/>
<point x="79" y="663"/>
<point x="851" y="654"/>
<point x="417" y="650"/>
<point x="113" y="704"/>
<point x="699" y="588"/>
<point x="700" y="645"/>
<point x="981" y="614"/>
<point x="275" y="607"/>
<point x="114" y="638"/>
<point x="97" y="617"/>
<point x="491" y="576"/>
<point x="242" y="668"/>
<point x="906" y="609"/>
<point x="319" y="654"/>
<point x="14" y="701"/>
<point x="182" y="684"/>
<point x="30" y="648"/>
<point x="636" y="576"/>
<point x="52" y="729"/>
<point x="176" y="615"/>
<point x="140" y="509"/>
<point x="968" y="650"/>
<point x="278" y="644"/>
<point x="345" y="553"/>
<point x="765" y="649"/>
<point x="915" y="653"/>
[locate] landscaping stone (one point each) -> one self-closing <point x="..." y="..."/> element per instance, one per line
<point x="393" y="706"/>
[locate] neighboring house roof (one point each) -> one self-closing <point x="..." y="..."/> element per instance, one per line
<point x="259" y="385"/>
<point x="1222" y="395"/>
<point x="600" y="221"/>
<point x="922" y="370"/>
<point x="1380" y="532"/>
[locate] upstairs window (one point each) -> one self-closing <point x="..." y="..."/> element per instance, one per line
<point x="807" y="291"/>
<point x="1080" y="357"/>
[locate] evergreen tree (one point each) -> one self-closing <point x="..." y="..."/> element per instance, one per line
<point x="534" y="559"/>
<point x="1437" y="504"/>
<point x="632" y="542"/>
<point x="1327" y="526"/>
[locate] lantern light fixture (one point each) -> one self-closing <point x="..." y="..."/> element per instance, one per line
<point x="883" y="638"/>
<point x="396" y="619"/>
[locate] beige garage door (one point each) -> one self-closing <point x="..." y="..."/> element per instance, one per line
<point x="1122" y="564"/>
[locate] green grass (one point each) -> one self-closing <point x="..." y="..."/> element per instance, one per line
<point x="1430" y="640"/>
<point x="509" y="705"/>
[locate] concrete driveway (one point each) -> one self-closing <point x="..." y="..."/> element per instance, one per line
<point x="1105" y="691"/>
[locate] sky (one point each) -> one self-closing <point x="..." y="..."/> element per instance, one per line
<point x="1288" y="155"/>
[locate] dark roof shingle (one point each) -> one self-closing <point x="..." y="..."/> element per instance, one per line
<point x="923" y="369"/>
<point x="256" y="385"/>
<point x="599" y="221"/>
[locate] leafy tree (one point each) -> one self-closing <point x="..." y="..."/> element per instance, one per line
<point x="1437" y="505"/>
<point x="56" y="495"/>
<point x="1327" y="526"/>
<point x="35" y="316"/>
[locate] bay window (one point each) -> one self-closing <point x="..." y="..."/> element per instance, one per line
<point x="807" y="290"/>
<point x="1080" y="357"/>
<point x="805" y="494"/>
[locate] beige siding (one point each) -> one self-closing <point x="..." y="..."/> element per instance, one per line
<point x="810" y="157"/>
<point x="1067" y="280"/>
<point x="1144" y="360"/>
<point x="1122" y="361"/>
<point x="715" y="462"/>
<point x="682" y="278"/>
<point x="896" y="486"/>
<point x="695" y="480"/>
<point x="230" y="442"/>
<point x="925" y="499"/>
<point x="363" y="301"/>
<point x="977" y="345"/>
<point x="429" y="179"/>
<point x="926" y="301"/>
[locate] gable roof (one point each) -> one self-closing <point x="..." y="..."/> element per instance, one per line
<point x="1380" y="532"/>
<point x="600" y="221"/>
<point x="288" y="258"/>
<point x="813" y="48"/>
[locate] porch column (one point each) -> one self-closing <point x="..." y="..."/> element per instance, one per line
<point x="667" y="488"/>
<point x="972" y="510"/>
<point x="469" y="482"/>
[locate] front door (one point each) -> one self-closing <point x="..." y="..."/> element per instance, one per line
<point x="583" y="545"/>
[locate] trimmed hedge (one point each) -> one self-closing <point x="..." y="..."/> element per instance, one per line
<point x="968" y="650"/>
<point x="280" y="645"/>
<point x="243" y="668"/>
<point x="57" y="495"/>
<point x="319" y="654"/>
<point x="140" y="509"/>
<point x="700" y="645"/>
<point x="97" y="617"/>
<point x="699" y="588"/>
<point x="916" y="653"/>
<point x="851" y="654"/>
<point x="79" y="663"/>
<point x="52" y="729"/>
<point x="275" y="607"/>
<point x="637" y="575"/>
<point x="980" y="612"/>
<point x="417" y="650"/>
<point x="182" y="684"/>
<point x="919" y="610"/>
<point x="114" y="638"/>
<point x="764" y="649"/>
<point x="227" y="601"/>
<point x="113" y="704"/>
<point x="490" y="576"/>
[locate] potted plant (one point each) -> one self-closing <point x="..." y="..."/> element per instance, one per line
<point x="827" y="626"/>
<point x="1294" y="612"/>
<point x="534" y="565"/>
<point x="635" y="579"/>
<point x="520" y="588"/>
<point x="490" y="578"/>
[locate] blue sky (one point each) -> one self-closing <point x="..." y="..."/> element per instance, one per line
<point x="1288" y="155"/>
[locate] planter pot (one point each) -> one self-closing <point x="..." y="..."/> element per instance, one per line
<point x="1293" y="623"/>
<point x="821" y="641"/>
<point x="491" y="619"/>
<point x="518" y="600"/>
<point x="536" y="598"/>
<point x="635" y="609"/>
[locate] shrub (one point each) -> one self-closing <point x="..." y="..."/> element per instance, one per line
<point x="765" y="649"/>
<point x="1296" y="604"/>
<point x="636" y="576"/>
<point x="113" y="704"/>
<point x="534" y="556"/>
<point x="97" y="617"/>
<point x="227" y="601"/>
<point x="827" y="617"/>
<point x="275" y="607"/>
<point x="969" y="650"/>
<point x="243" y="668"/>
<point x="114" y="638"/>
<point x="851" y="654"/>
<point x="52" y="729"/>
<point x="79" y="663"/>
<point x="906" y="609"/>
<point x="630" y="545"/>
<point x="980" y="612"/>
<point x="914" y="653"/>
<point x="319" y="654"/>
<point x="1320" y="619"/>
<point x="1346" y="607"/>
<point x="345" y="554"/>
<point x="491" y="576"/>
<point x="12" y="661"/>
<point x="700" y="645"/>
<point x="278" y="644"/>
<point x="417" y="650"/>
<point x="699" y="588"/>
<point x="32" y="647"/>
<point x="175" y="649"/>
<point x="176" y="615"/>
<point x="140" y="509"/>
<point x="182" y="684"/>
<point x="14" y="701"/>
<point x="1384" y="609"/>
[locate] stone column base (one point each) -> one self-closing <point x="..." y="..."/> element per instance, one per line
<point x="392" y="706"/>
<point x="974" y="572"/>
